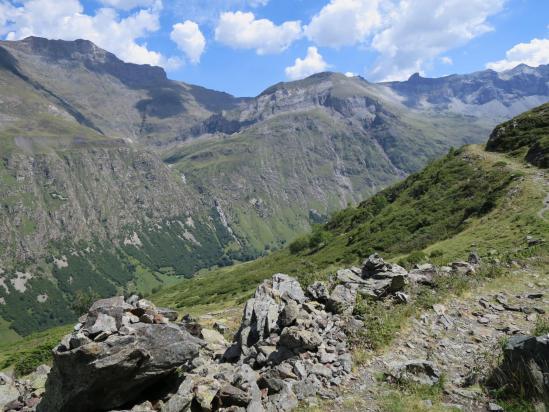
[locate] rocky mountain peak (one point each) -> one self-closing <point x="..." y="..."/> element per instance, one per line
<point x="93" y="57"/>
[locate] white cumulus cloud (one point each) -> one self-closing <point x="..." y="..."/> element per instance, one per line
<point x="344" y="22"/>
<point x="67" y="20"/>
<point x="131" y="4"/>
<point x="415" y="32"/>
<point x="311" y="64"/>
<point x="533" y="54"/>
<point x="243" y="31"/>
<point x="189" y="40"/>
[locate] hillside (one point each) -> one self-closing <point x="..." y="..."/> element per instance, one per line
<point x="105" y="164"/>
<point x="470" y="199"/>
<point x="83" y="214"/>
<point x="525" y="137"/>
<point x="315" y="145"/>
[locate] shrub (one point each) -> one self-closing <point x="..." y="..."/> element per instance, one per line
<point x="319" y="237"/>
<point x="436" y="253"/>
<point x="298" y="245"/>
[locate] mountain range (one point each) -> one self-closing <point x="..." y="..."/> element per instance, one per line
<point x="114" y="178"/>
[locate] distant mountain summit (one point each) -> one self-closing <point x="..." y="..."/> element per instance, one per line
<point x="487" y="93"/>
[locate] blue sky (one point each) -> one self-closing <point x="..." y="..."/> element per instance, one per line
<point x="244" y="46"/>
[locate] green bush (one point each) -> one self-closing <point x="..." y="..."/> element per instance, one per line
<point x="299" y="245"/>
<point x="319" y="237"/>
<point x="436" y="253"/>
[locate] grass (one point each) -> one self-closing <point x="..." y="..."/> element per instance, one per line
<point x="406" y="397"/>
<point x="8" y="335"/>
<point x="525" y="136"/>
<point x="31" y="351"/>
<point x="380" y="224"/>
<point x="542" y="327"/>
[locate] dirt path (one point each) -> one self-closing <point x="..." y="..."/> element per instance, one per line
<point x="461" y="338"/>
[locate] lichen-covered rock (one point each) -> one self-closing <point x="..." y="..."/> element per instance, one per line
<point x="419" y="371"/>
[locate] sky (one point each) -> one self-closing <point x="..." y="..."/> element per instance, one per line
<point x="244" y="46"/>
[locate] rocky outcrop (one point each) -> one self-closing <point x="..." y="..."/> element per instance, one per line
<point x="525" y="367"/>
<point x="117" y="352"/>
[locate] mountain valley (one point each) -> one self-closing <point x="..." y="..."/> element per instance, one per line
<point x="106" y="164"/>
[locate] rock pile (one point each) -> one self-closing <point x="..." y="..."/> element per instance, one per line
<point x="292" y="345"/>
<point x="289" y="347"/>
<point x="118" y="351"/>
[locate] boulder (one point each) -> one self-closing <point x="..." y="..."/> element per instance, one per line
<point x="230" y="395"/>
<point x="213" y="338"/>
<point x="8" y="391"/>
<point x="463" y="268"/>
<point x="289" y="314"/>
<point x="525" y="367"/>
<point x="342" y="300"/>
<point x="318" y="291"/>
<point x="262" y="312"/>
<point x="382" y="278"/>
<point x="117" y="370"/>
<point x="169" y="314"/>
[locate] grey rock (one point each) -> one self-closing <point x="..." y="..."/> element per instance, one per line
<point x="373" y="264"/>
<point x="402" y="297"/>
<point x="296" y="338"/>
<point x="306" y="388"/>
<point x="105" y="375"/>
<point x="524" y="366"/>
<point x="169" y="314"/>
<point x="109" y="304"/>
<point x="102" y="323"/>
<point x="229" y="395"/>
<point x="474" y="258"/>
<point x="348" y="276"/>
<point x="318" y="291"/>
<point x="289" y="314"/>
<point x="463" y="268"/>
<point x="283" y="401"/>
<point x="272" y="382"/>
<point x="8" y="392"/>
<point x="321" y="370"/>
<point x="342" y="300"/>
<point x="419" y="371"/>
<point x="221" y="327"/>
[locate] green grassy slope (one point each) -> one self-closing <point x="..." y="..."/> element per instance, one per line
<point x="486" y="201"/>
<point x="470" y="199"/>
<point x="525" y="136"/>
